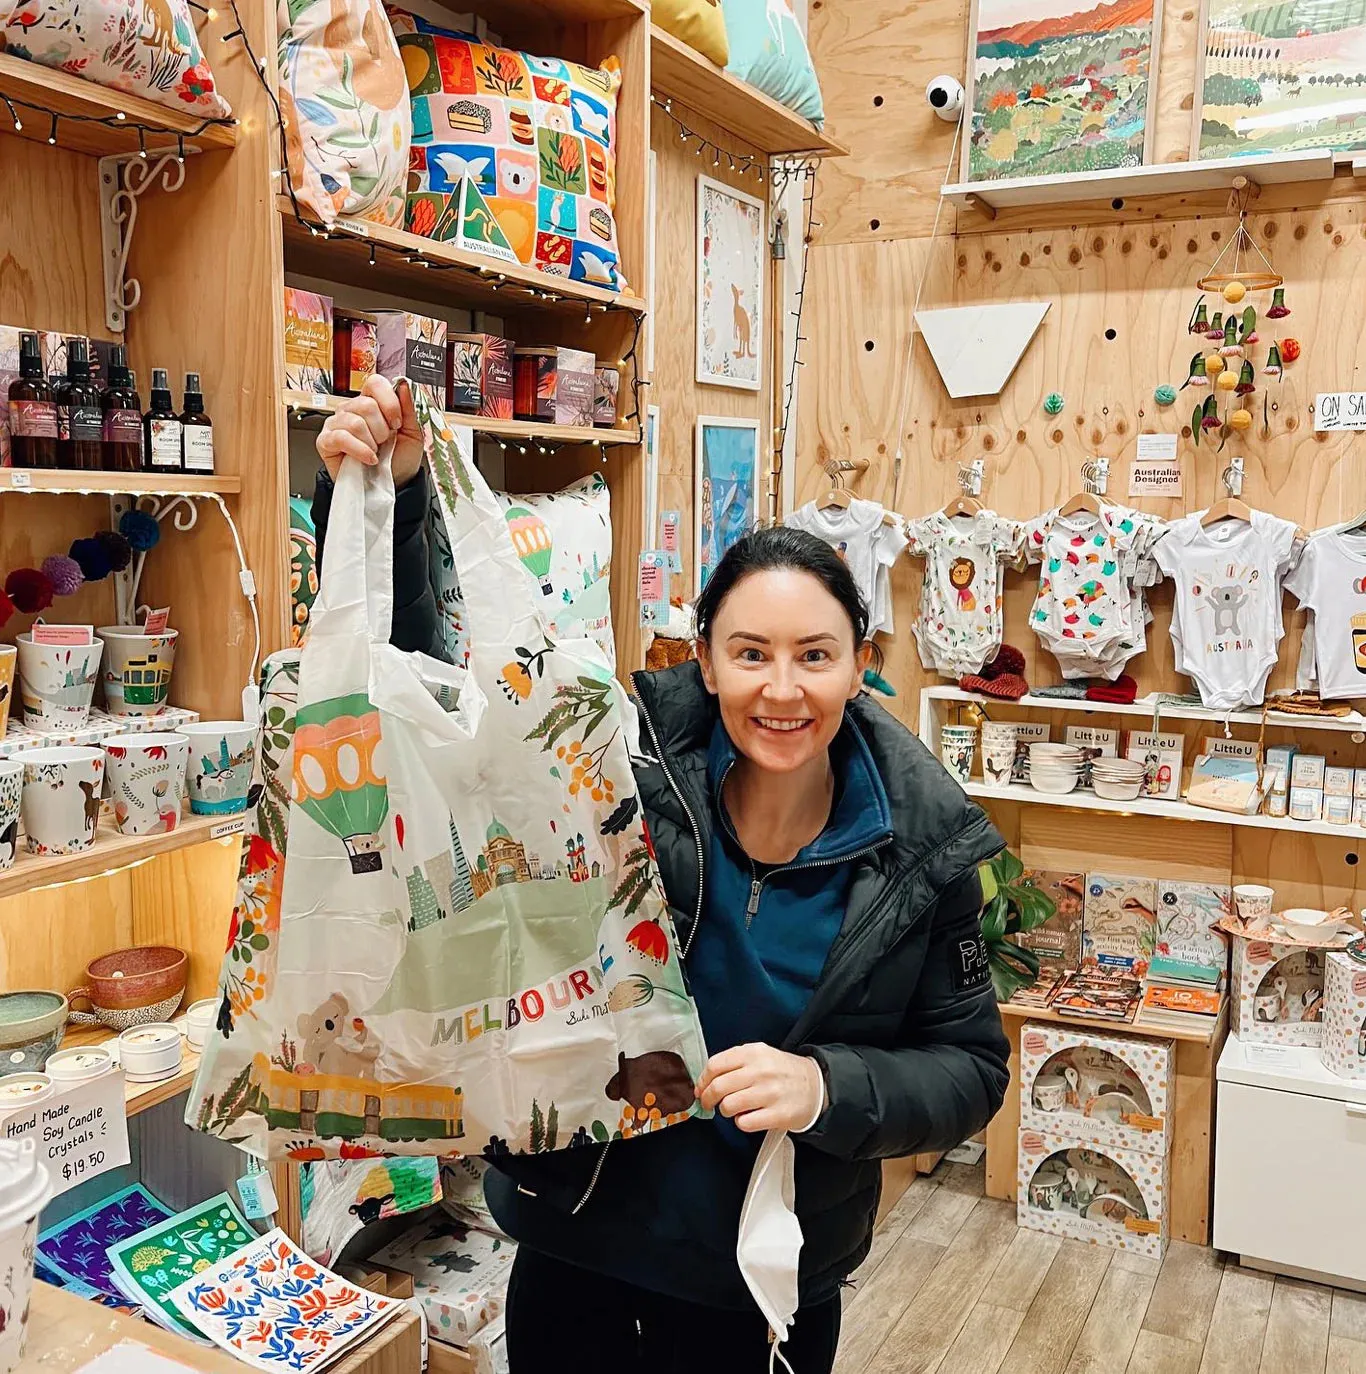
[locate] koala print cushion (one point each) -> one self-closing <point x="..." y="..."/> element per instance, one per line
<point x="459" y="944"/>
<point x="1226" y="619"/>
<point x="512" y="154"/>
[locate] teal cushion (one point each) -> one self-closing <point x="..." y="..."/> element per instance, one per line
<point x="768" y="50"/>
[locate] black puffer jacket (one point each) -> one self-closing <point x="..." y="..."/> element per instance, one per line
<point x="902" y="1021"/>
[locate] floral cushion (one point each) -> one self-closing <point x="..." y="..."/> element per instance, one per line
<point x="141" y="47"/>
<point x="345" y="101"/>
<point x="768" y="50"/>
<point x="574" y="580"/>
<point x="530" y="139"/>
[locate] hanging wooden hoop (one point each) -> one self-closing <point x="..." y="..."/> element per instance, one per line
<point x="1263" y="278"/>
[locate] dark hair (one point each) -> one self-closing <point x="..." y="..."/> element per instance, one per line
<point x="780" y="546"/>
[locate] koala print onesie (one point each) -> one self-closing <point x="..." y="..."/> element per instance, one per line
<point x="1226" y="615"/>
<point x="959" y="626"/>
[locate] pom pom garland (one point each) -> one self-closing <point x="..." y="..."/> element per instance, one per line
<point x="116" y="549"/>
<point x="7" y="608"/>
<point x="30" y="591"/>
<point x="140" y="529"/>
<point x="91" y="558"/>
<point x="64" y="573"/>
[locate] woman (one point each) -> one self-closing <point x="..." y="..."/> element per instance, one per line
<point x="821" y="869"/>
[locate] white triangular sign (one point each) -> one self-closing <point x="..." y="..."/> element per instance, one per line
<point x="977" y="347"/>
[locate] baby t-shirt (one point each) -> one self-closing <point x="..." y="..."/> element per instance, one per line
<point x="960" y="623"/>
<point x="1227" y="608"/>
<point x="866" y="543"/>
<point x="1330" y="581"/>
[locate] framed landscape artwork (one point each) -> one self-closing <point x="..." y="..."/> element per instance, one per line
<point x="1277" y="78"/>
<point x="732" y="255"/>
<point x="1057" y="86"/>
<point x="726" y="498"/>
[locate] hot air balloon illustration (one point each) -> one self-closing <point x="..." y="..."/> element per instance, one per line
<point x="531" y="539"/>
<point x="335" y="781"/>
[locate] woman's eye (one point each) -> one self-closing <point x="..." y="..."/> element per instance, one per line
<point x="751" y="656"/>
<point x="815" y="656"/>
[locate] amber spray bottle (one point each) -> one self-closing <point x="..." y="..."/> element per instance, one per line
<point x="122" y="417"/>
<point x="32" y="415"/>
<point x="82" y="449"/>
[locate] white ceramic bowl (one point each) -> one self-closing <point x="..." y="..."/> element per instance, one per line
<point x="1047" y="749"/>
<point x="1309" y="924"/>
<point x="1107" y="790"/>
<point x="1055" y="784"/>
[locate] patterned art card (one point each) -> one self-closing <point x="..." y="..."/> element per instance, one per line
<point x="1188" y="945"/>
<point x="76" y="1250"/>
<point x="1119" y="924"/>
<point x="150" y="1265"/>
<point x="274" y="1308"/>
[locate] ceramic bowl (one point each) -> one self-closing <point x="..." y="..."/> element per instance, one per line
<point x="1111" y="1106"/>
<point x="80" y="1064"/>
<point x="1056" y="784"/>
<point x="132" y="987"/>
<point x="32" y="1025"/>
<point x="150" y="1052"/>
<point x="1108" y="790"/>
<point x="1307" y="924"/>
<point x="21" y="1089"/>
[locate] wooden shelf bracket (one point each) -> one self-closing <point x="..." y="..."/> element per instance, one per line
<point x="123" y="179"/>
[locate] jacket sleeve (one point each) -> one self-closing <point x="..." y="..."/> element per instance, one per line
<point x="415" y="623"/>
<point x="949" y="1074"/>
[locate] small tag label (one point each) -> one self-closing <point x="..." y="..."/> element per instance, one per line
<point x="670" y="526"/>
<point x="1145" y="1226"/>
<point x="1270" y="1056"/>
<point x="353" y="226"/>
<point x="257" y="1193"/>
<point x="156" y="621"/>
<point x="19" y="478"/>
<point x="1141" y="1123"/>
<point x="652" y="587"/>
<point x="67" y="636"/>
<point x="233" y="827"/>
<point x="321" y="400"/>
<point x="80" y="1133"/>
<point x="1156" y="446"/>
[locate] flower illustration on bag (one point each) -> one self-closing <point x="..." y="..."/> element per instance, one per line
<point x="516" y="678"/>
<point x="581" y="706"/>
<point x="639" y="880"/>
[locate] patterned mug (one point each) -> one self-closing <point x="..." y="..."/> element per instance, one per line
<point x="61" y="800"/>
<point x="11" y="793"/>
<point x="146" y="778"/>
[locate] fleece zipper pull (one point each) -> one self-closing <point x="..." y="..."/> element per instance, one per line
<point x="756" y="888"/>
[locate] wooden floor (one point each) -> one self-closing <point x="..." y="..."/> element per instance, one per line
<point x="952" y="1286"/>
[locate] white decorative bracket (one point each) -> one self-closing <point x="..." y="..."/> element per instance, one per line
<point x="183" y="511"/>
<point x="123" y="179"/>
<point x="970" y="477"/>
<point x="1232" y="477"/>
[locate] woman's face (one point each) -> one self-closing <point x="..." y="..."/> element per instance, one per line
<point x="781" y="663"/>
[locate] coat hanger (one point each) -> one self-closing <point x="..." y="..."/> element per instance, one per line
<point x="1095" y="476"/>
<point x="966" y="502"/>
<point x="839" y="497"/>
<point x="1232" y="507"/>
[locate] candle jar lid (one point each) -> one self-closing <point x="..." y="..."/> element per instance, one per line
<point x="19" y="1089"/>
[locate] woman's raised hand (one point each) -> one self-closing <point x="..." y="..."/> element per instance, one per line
<point x="762" y="1088"/>
<point x="363" y="424"/>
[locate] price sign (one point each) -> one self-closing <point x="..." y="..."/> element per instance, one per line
<point x="670" y="538"/>
<point x="653" y="587"/>
<point x="1270" y="1056"/>
<point x="81" y="1132"/>
<point x="19" y="478"/>
<point x="156" y="621"/>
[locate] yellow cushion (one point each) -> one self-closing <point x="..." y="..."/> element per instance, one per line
<point x="698" y="23"/>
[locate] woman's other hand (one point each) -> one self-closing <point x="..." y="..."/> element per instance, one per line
<point x="763" y="1089"/>
<point x="363" y="424"/>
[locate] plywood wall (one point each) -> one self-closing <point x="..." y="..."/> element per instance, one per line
<point x="1121" y="279"/>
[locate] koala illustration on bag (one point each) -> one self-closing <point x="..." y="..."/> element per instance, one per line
<point x="335" y="1043"/>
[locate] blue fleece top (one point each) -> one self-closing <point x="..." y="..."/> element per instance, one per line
<point x="766" y="930"/>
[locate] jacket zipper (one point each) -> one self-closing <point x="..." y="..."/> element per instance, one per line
<point x="697" y="915"/>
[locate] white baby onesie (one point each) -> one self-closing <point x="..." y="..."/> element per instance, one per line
<point x="960" y="623"/>
<point x="1330" y="581"/>
<point x="866" y="543"/>
<point x="1226" y="619"/>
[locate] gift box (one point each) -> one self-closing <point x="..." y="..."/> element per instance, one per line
<point x="1161" y="757"/>
<point x="1119" y="923"/>
<point x="354" y="351"/>
<point x="606" y="384"/>
<point x="479" y="375"/>
<point x="308" y="341"/>
<point x="460" y="1274"/>
<point x="1099" y="1090"/>
<point x="488" y="1348"/>
<point x="1112" y="1196"/>
<point x="1094" y="744"/>
<point x="1279" y="990"/>
<point x="1343" y="1049"/>
<point x="553" y="385"/>
<point x="412" y="346"/>
<point x="99" y="727"/>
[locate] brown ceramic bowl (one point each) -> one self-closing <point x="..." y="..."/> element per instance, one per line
<point x="132" y="987"/>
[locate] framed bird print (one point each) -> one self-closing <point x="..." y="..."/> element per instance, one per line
<point x="726" y="498"/>
<point x="732" y="249"/>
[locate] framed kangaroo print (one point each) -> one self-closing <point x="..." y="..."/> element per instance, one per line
<point x="731" y="252"/>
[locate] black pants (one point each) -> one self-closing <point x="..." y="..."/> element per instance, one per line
<point x="569" y="1320"/>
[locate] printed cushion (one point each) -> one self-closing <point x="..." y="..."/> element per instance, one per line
<point x="345" y="100"/>
<point x="768" y="50"/>
<point x="535" y="136"/>
<point x="141" y="47"/>
<point x="698" y="23"/>
<point x="564" y="539"/>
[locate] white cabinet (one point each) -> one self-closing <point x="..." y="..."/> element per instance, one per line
<point x="1290" y="1153"/>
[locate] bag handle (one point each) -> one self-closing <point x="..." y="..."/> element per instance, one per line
<point x="498" y="596"/>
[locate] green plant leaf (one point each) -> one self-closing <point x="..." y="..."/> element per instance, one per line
<point x="994" y="919"/>
<point x="1008" y="867"/>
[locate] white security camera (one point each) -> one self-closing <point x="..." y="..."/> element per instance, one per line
<point x="945" y="94"/>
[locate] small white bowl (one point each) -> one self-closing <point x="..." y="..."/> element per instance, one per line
<point x="1107" y="790"/>
<point x="1055" y="786"/>
<point x="1309" y="925"/>
<point x="79" y="1065"/>
<point x="151" y="1052"/>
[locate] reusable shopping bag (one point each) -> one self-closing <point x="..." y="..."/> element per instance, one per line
<point x="469" y="949"/>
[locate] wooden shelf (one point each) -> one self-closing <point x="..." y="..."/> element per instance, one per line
<point x="1154" y="806"/>
<point x="1158" y="179"/>
<point x="113" y="851"/>
<point x="434" y="270"/>
<point x="683" y="74"/>
<point x="30" y="480"/>
<point x="138" y="1097"/>
<point x="1148" y="709"/>
<point x="1201" y="1035"/>
<point x="30" y="83"/>
<point x="303" y="404"/>
<point x="506" y="16"/>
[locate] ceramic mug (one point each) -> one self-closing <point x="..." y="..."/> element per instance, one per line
<point x="25" y="1188"/>
<point x="57" y="682"/>
<point x="11" y="794"/>
<point x="146" y="780"/>
<point x="1267" y="1007"/>
<point x="219" y="772"/>
<point x="1045" y="1192"/>
<point x="137" y="669"/>
<point x="1050" y="1092"/>
<point x="61" y="802"/>
<point x="956" y="756"/>
<point x="32" y="1025"/>
<point x="132" y="987"/>
<point x="998" y="761"/>
<point x="9" y="657"/>
<point x="1253" y="904"/>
